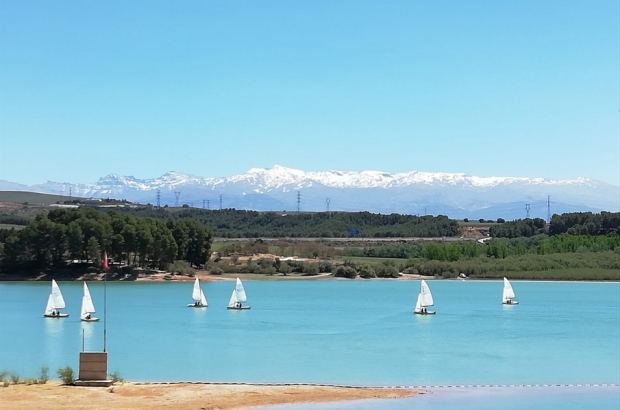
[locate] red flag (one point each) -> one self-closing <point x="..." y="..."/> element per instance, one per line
<point x="105" y="260"/>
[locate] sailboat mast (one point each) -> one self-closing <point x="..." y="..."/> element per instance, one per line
<point x="105" y="298"/>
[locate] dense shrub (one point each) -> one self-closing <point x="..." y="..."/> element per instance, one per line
<point x="285" y="268"/>
<point x="182" y="268"/>
<point x="366" y="271"/>
<point x="116" y="378"/>
<point x="310" y="268"/>
<point x="66" y="375"/>
<point x="216" y="270"/>
<point x="325" y="266"/>
<point x="346" y="272"/>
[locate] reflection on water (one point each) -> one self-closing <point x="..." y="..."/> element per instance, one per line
<point x="54" y="337"/>
<point x="87" y="331"/>
<point x="54" y="326"/>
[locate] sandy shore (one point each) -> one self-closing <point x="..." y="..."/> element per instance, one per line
<point x="179" y="396"/>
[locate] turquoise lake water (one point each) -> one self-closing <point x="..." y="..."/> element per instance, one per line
<point x="344" y="332"/>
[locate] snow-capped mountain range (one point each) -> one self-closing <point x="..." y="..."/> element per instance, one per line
<point x="278" y="188"/>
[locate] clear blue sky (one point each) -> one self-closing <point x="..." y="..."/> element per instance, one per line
<point x="213" y="88"/>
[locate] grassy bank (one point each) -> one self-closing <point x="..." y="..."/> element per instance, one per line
<point x="365" y="259"/>
<point x="571" y="274"/>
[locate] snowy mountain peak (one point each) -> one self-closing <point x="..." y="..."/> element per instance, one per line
<point x="405" y="192"/>
<point x="279" y="176"/>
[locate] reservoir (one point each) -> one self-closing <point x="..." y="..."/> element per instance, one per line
<point x="330" y="331"/>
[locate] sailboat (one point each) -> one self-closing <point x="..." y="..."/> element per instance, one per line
<point x="425" y="298"/>
<point x="55" y="301"/>
<point x="238" y="297"/>
<point x="199" y="296"/>
<point x="87" y="307"/>
<point x="508" y="294"/>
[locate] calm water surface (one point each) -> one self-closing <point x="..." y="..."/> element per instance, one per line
<point x="554" y="398"/>
<point x="345" y="332"/>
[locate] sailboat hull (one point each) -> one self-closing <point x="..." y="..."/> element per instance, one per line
<point x="238" y="308"/>
<point x="92" y="319"/>
<point x="57" y="316"/>
<point x="514" y="302"/>
<point x="430" y="312"/>
<point x="196" y="306"/>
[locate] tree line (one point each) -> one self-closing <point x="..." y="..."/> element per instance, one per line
<point x="84" y="234"/>
<point x="233" y="223"/>
<point x="573" y="223"/>
<point x="498" y="248"/>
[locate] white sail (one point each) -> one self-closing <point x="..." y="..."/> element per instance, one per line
<point x="233" y="299"/>
<point x="50" y="305"/>
<point x="196" y="293"/>
<point x="57" y="300"/>
<point x="87" y="302"/>
<point x="426" y="297"/>
<point x="418" y="306"/>
<point x="241" y="296"/>
<point x="508" y="293"/>
<point x="203" y="299"/>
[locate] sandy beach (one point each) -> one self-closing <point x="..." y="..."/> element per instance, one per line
<point x="179" y="396"/>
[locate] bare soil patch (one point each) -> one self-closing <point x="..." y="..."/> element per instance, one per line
<point x="179" y="396"/>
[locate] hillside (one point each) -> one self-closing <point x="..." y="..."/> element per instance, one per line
<point x="32" y="198"/>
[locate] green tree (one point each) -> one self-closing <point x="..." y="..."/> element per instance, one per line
<point x="285" y="268"/>
<point x="75" y="240"/>
<point x="130" y="239"/>
<point x="93" y="250"/>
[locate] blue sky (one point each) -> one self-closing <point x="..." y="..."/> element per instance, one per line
<point x="213" y="88"/>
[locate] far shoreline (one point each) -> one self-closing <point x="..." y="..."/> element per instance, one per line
<point x="204" y="276"/>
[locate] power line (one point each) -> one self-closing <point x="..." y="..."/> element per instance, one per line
<point x="527" y="211"/>
<point x="177" y="194"/>
<point x="298" y="201"/>
<point x="220" y="202"/>
<point x="158" y="198"/>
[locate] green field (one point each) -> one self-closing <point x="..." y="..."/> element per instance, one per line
<point x="33" y="198"/>
<point x="559" y="274"/>
<point x="369" y="260"/>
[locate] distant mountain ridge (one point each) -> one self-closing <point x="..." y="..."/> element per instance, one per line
<point x="279" y="188"/>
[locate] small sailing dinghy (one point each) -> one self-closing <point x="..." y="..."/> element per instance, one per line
<point x="199" y="296"/>
<point x="508" y="294"/>
<point x="425" y="298"/>
<point x="87" y="307"/>
<point x="55" y="301"/>
<point x="238" y="297"/>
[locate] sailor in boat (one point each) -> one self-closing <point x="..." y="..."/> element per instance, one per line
<point x="88" y="317"/>
<point x="238" y="305"/>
